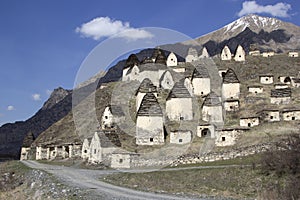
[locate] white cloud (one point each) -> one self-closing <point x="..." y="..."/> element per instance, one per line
<point x="277" y="10"/>
<point x="36" y="97"/>
<point x="10" y="108"/>
<point x="101" y="27"/>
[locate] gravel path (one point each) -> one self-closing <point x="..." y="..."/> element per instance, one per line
<point x="89" y="181"/>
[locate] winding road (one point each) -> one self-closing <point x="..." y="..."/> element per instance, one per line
<point x="89" y="180"/>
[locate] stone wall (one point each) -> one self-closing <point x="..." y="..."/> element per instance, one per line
<point x="215" y="156"/>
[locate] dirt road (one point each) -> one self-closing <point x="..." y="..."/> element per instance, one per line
<point x="89" y="180"/>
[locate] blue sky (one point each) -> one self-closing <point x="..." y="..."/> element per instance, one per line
<point x="43" y="43"/>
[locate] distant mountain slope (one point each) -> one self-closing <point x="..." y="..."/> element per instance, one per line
<point x="267" y="33"/>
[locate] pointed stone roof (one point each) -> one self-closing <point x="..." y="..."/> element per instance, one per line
<point x="131" y="61"/>
<point x="179" y="91"/>
<point x="284" y="92"/>
<point x="147" y="86"/>
<point x="192" y="51"/>
<point x="108" y="139"/>
<point x="200" y="72"/>
<point x="296" y="80"/>
<point x="157" y="52"/>
<point x="28" y="139"/>
<point x="161" y="59"/>
<point x="230" y="77"/>
<point x="212" y="99"/>
<point x="149" y="106"/>
<point x="116" y="110"/>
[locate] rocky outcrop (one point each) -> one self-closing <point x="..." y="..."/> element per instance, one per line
<point x="56" y="96"/>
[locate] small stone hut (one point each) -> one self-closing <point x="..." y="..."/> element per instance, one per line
<point x="240" y="54"/>
<point x="200" y="81"/>
<point x="231" y="85"/>
<point x="179" y="103"/>
<point x="226" y="53"/>
<point x="172" y="60"/>
<point x="149" y="123"/>
<point x="281" y="96"/>
<point x="212" y="110"/>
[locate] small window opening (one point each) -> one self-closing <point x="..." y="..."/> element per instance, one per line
<point x="95" y="151"/>
<point x="121" y="160"/>
<point x="293" y="118"/>
<point x="249" y="124"/>
<point x="223" y="139"/>
<point x="151" y="139"/>
<point x="181" y="118"/>
<point x="271" y="117"/>
<point x="180" y="140"/>
<point x="85" y="151"/>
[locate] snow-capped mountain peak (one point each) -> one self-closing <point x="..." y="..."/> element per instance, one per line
<point x="255" y="23"/>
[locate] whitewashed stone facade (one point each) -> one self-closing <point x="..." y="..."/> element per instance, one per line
<point x="293" y="54"/>
<point x="179" y="103"/>
<point x="291" y="115"/>
<point x="149" y="123"/>
<point x="212" y="110"/>
<point x="41" y="153"/>
<point x="281" y="86"/>
<point x="120" y="160"/>
<point x="230" y="86"/>
<point x="166" y="80"/>
<point x="206" y="130"/>
<point x="228" y="136"/>
<point x="226" y="53"/>
<point x="112" y="116"/>
<point x="268" y="54"/>
<point x="85" y="152"/>
<point x="231" y="105"/>
<point x="281" y="96"/>
<point x="255" y="89"/>
<point x="254" y="53"/>
<point x="285" y="79"/>
<point x="266" y="79"/>
<point x="204" y="53"/>
<point x="240" y="54"/>
<point x="180" y="137"/>
<point x="200" y="81"/>
<point x="172" y="60"/>
<point x="249" y="121"/>
<point x="130" y="62"/>
<point x="222" y="72"/>
<point x="95" y="149"/>
<point x="270" y="115"/>
<point x="24" y="153"/>
<point x="189" y="86"/>
<point x="101" y="147"/>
